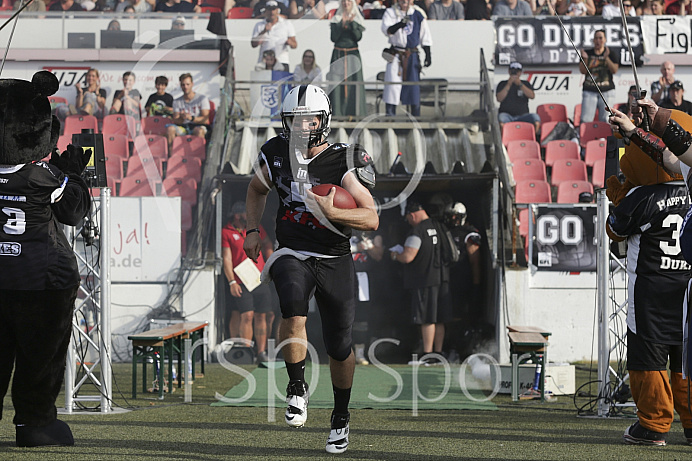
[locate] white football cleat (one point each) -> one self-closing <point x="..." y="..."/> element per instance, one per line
<point x="297" y="400"/>
<point x="337" y="442"/>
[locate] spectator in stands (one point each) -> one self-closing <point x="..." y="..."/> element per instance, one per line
<point x="478" y="9"/>
<point x="346" y="30"/>
<point x="129" y="9"/>
<point x="190" y="113"/>
<point x="675" y="99"/>
<point x="602" y="65"/>
<point x="161" y="102"/>
<point x="260" y="8"/>
<point x="269" y="62"/>
<point x="177" y="6"/>
<point x="513" y="95"/>
<point x="308" y="70"/>
<point x="91" y="98"/>
<point x="421" y="256"/>
<point x="512" y="8"/>
<point x="248" y="309"/>
<point x="275" y="33"/>
<point x="423" y="5"/>
<point x="407" y="29"/>
<point x="308" y="9"/>
<point x="577" y="8"/>
<point x="178" y="23"/>
<point x="644" y="7"/>
<point x="113" y="25"/>
<point x="659" y="88"/>
<point x="127" y="101"/>
<point x="445" y="10"/>
<point x="66" y="5"/>
<point x="36" y="5"/>
<point x="611" y="9"/>
<point x="141" y="6"/>
<point x="680" y="7"/>
<point x="657" y="7"/>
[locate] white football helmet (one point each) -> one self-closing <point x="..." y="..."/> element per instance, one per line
<point x="303" y="101"/>
<point x="455" y="214"/>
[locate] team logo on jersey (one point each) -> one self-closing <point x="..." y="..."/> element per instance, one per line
<point x="10" y="249"/>
<point x="302" y="174"/>
<point x="278" y="162"/>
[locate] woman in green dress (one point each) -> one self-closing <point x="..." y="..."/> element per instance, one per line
<point x="347" y="28"/>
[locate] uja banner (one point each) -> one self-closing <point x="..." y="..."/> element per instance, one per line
<point x="565" y="238"/>
<point x="541" y="41"/>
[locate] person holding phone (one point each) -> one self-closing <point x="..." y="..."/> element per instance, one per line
<point x="603" y="65"/>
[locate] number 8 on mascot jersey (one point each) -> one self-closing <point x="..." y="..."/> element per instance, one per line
<point x="39" y="278"/>
<point x="649" y="211"/>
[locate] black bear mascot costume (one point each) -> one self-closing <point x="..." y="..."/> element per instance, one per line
<point x="39" y="277"/>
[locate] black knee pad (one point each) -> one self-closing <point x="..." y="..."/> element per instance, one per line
<point x="338" y="343"/>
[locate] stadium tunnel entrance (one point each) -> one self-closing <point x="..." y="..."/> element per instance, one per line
<point x="474" y="327"/>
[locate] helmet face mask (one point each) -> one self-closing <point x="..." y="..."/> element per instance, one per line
<point x="305" y="115"/>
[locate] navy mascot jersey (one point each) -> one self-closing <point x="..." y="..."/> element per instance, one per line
<point x="651" y="219"/>
<point x="292" y="175"/>
<point x="34" y="253"/>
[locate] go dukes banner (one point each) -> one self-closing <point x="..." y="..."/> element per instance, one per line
<point x="565" y="238"/>
<point x="541" y="40"/>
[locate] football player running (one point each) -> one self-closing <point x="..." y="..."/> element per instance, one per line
<point x="314" y="251"/>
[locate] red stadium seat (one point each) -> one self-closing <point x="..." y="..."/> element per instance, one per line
<point x="532" y="192"/>
<point x="529" y="169"/>
<point x="240" y="12"/>
<point x="76" y="123"/>
<point x="598" y="173"/>
<point x="561" y="149"/>
<point x="593" y="130"/>
<point x="137" y="187"/>
<point x="114" y="168"/>
<point x="568" y="170"/>
<point x="144" y="167"/>
<point x="155" y="125"/>
<point x="546" y="129"/>
<point x="366" y="13"/>
<point x="56" y="100"/>
<point x="518" y="130"/>
<point x="63" y="142"/>
<point x="189" y="146"/>
<point x="151" y="144"/>
<point x="111" y="183"/>
<point x="120" y="124"/>
<point x="185" y="188"/>
<point x="185" y="215"/>
<point x="577" y="115"/>
<point x="212" y="112"/>
<point x="521" y="149"/>
<point x="184" y="167"/>
<point x="568" y="191"/>
<point x="552" y="113"/>
<point x="116" y="145"/>
<point x="594" y="150"/>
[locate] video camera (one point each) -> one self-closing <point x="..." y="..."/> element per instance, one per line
<point x="95" y="173"/>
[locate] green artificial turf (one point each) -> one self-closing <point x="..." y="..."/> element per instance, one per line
<point x="173" y="430"/>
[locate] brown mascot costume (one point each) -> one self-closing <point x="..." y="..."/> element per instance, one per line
<point x="39" y="277"/>
<point x="650" y="207"/>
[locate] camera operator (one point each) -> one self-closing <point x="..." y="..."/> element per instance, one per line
<point x="513" y="95"/>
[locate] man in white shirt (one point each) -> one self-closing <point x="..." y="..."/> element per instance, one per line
<point x="190" y="113"/>
<point x="274" y="33"/>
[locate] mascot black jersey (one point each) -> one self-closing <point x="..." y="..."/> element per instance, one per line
<point x="297" y="227"/>
<point x="651" y="217"/>
<point x="34" y="253"/>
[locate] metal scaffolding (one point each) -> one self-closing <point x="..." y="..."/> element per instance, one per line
<point x="88" y="374"/>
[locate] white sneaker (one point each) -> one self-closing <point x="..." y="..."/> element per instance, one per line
<point x="337" y="442"/>
<point x="297" y="400"/>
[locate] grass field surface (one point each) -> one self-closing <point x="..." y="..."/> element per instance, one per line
<point x="173" y="430"/>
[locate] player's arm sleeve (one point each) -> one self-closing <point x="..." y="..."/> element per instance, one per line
<point x="627" y="218"/>
<point x="74" y="203"/>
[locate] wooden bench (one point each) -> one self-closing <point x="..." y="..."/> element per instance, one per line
<point x="160" y="344"/>
<point x="528" y="343"/>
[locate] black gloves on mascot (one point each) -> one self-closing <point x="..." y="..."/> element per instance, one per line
<point x="39" y="278"/>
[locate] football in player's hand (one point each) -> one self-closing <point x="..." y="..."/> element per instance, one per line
<point x="342" y="199"/>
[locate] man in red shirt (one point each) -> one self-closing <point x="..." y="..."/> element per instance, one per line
<point x="248" y="308"/>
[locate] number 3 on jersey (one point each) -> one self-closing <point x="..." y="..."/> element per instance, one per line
<point x="674" y="221"/>
<point x="16" y="223"/>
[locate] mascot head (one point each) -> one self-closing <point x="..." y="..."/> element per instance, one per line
<point x="28" y="131"/>
<point x="640" y="170"/>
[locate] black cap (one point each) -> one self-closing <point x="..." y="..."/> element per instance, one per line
<point x="676" y="85"/>
<point x="412" y="206"/>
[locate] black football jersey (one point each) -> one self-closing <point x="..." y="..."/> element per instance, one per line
<point x="34" y="253"/>
<point x="651" y="218"/>
<point x="297" y="227"/>
<point x="426" y="268"/>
